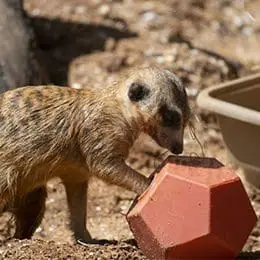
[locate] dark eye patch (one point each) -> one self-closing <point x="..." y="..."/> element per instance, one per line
<point x="137" y="92"/>
<point x="171" y="118"/>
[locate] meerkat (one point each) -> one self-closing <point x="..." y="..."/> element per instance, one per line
<point x="73" y="134"/>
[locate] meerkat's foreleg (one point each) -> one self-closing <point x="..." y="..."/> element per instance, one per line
<point x="77" y="203"/>
<point x="29" y="213"/>
<point x="119" y="173"/>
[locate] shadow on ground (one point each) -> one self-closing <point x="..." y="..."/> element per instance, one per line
<point x="249" y="255"/>
<point x="61" y="42"/>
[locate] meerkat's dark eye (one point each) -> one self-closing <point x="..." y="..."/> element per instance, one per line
<point x="171" y="118"/>
<point x="137" y="92"/>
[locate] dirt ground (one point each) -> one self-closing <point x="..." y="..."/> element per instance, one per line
<point x="86" y="43"/>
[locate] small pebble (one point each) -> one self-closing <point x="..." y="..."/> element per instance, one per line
<point x="104" y="9"/>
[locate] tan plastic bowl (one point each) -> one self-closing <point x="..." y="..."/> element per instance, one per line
<point x="237" y="105"/>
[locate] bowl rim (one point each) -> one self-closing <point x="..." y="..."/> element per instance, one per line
<point x="208" y="99"/>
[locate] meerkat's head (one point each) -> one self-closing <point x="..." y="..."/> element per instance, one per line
<point x="157" y="100"/>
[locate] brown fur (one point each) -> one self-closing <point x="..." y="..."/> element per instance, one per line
<point x="51" y="131"/>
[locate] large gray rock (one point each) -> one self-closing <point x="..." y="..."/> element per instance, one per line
<point x="18" y="62"/>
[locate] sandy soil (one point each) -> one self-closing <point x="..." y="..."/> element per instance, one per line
<point x="86" y="44"/>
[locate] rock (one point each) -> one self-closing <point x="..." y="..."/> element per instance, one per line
<point x="18" y="62"/>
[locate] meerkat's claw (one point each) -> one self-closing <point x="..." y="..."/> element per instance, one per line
<point x="96" y="242"/>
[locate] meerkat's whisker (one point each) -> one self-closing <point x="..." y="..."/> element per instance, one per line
<point x="194" y="137"/>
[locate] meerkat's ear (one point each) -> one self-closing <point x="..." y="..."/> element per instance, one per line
<point x="137" y="92"/>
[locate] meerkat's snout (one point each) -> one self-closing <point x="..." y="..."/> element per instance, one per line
<point x="177" y="148"/>
<point x="170" y="132"/>
<point x="170" y="138"/>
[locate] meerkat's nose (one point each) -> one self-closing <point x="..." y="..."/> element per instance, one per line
<point x="177" y="148"/>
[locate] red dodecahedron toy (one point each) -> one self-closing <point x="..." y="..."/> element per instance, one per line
<point x="194" y="208"/>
